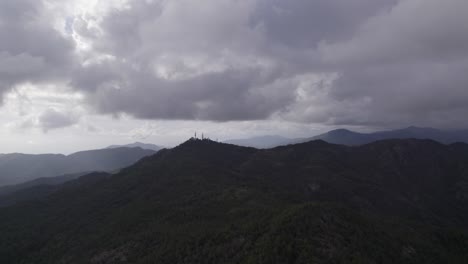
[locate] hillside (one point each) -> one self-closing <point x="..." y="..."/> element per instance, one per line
<point x="56" y="180"/>
<point x="351" y="138"/>
<point x="394" y="201"/>
<point x="18" y="168"/>
<point x="347" y="137"/>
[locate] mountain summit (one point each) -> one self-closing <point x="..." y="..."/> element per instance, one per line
<point x="402" y="201"/>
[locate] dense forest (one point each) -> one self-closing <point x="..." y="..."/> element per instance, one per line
<point x="392" y="201"/>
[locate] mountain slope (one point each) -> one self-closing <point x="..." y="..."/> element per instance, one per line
<point x="138" y="145"/>
<point x="41" y="188"/>
<point x="56" y="180"/>
<point x="18" y="168"/>
<point x="396" y="201"/>
<point x="347" y="137"/>
<point x="351" y="138"/>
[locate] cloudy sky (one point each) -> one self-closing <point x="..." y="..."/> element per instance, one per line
<point x="81" y="74"/>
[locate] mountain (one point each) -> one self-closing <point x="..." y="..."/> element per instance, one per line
<point x="347" y="137"/>
<point x="56" y="180"/>
<point x="40" y="188"/>
<point x="392" y="201"/>
<point x="138" y="145"/>
<point x="351" y="138"/>
<point x="260" y="141"/>
<point x="18" y="168"/>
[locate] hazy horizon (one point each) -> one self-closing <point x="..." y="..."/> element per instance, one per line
<point x="229" y="138"/>
<point x="80" y="74"/>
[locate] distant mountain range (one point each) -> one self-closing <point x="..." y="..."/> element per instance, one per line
<point x="18" y="168"/>
<point x="391" y="201"/>
<point x="261" y="141"/>
<point x="350" y="138"/>
<point x="347" y="137"/>
<point x="138" y="145"/>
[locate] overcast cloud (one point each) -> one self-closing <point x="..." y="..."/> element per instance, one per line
<point x="375" y="64"/>
<point x="31" y="50"/>
<point x="394" y="62"/>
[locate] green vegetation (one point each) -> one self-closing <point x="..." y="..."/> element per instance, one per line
<point x="399" y="201"/>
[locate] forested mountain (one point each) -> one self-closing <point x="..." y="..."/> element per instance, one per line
<point x="351" y="138"/>
<point x="393" y="201"/>
<point x="18" y="168"/>
<point x="347" y="137"/>
<point x="56" y="180"/>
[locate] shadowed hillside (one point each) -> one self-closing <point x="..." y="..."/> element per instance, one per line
<point x="18" y="168"/>
<point x="395" y="201"/>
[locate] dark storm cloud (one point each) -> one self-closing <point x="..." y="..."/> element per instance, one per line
<point x="31" y="50"/>
<point x="407" y="66"/>
<point x="213" y="70"/>
<point x="221" y="60"/>
<point x="337" y="62"/>
<point x="222" y="96"/>
<point x="305" y="23"/>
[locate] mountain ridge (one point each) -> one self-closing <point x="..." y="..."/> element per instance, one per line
<point x="209" y="202"/>
<point x="14" y="171"/>
<point x="345" y="136"/>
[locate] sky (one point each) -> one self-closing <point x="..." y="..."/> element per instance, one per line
<point x="84" y="74"/>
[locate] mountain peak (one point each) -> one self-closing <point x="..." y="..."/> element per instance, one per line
<point x="228" y="192"/>
<point x="201" y="143"/>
